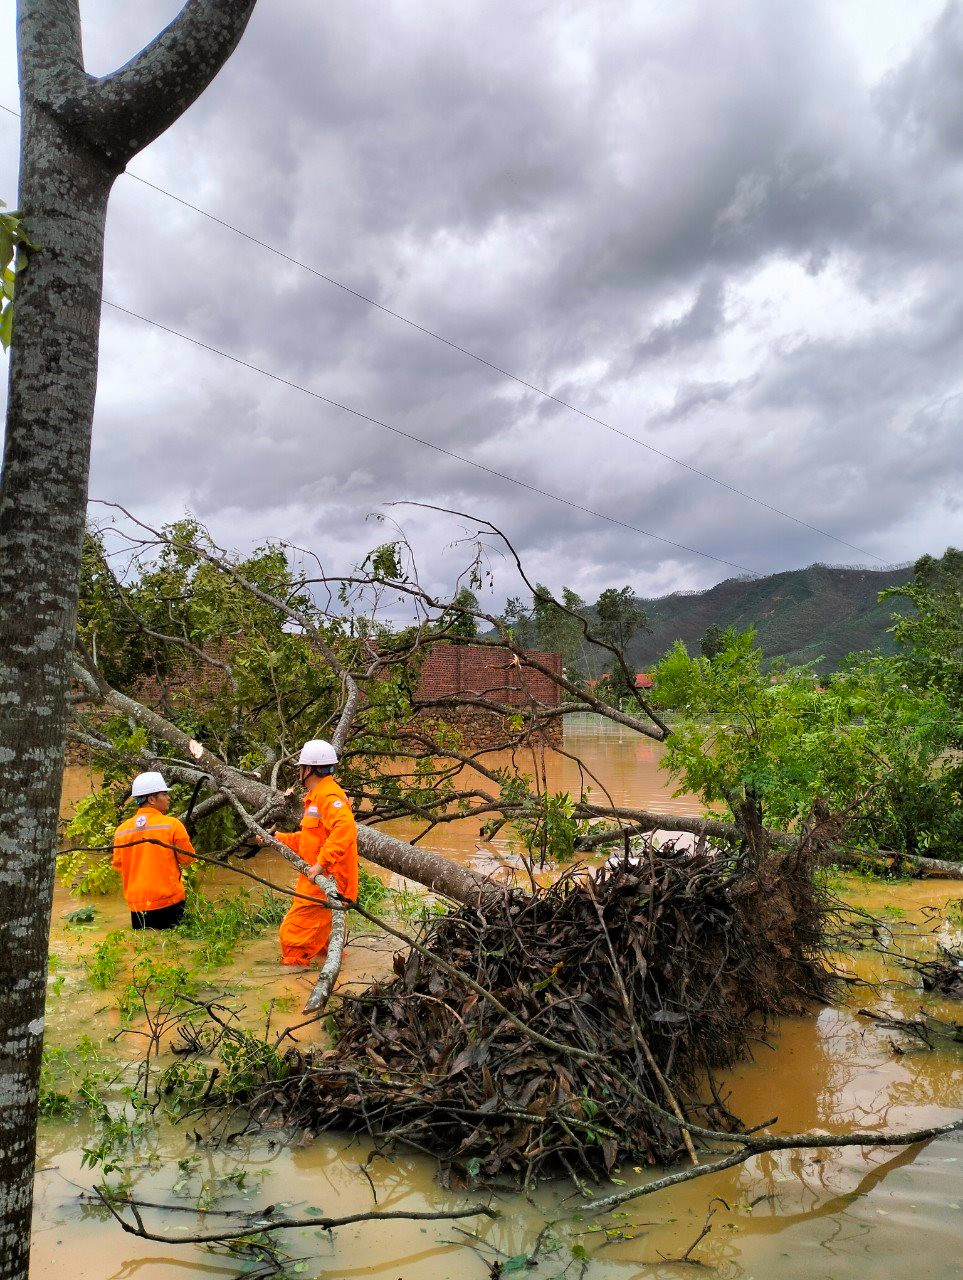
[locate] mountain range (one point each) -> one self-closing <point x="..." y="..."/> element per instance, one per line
<point x="818" y="614"/>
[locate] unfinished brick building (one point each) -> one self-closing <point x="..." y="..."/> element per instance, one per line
<point x="450" y="673"/>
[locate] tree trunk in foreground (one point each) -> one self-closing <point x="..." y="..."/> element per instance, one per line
<point x="53" y="373"/>
<point x="77" y="134"/>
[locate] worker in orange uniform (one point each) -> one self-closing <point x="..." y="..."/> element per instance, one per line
<point x="149" y="851"/>
<point x="328" y="843"/>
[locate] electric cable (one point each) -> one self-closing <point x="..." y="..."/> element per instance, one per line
<point x="427" y="444"/>
<point x="506" y="373"/>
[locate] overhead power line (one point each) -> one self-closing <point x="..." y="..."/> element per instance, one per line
<point x="427" y="444"/>
<point x="505" y="373"/>
<point x="488" y="364"/>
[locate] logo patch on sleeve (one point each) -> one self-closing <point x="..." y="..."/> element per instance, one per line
<point x="337" y="804"/>
<point x="140" y="820"/>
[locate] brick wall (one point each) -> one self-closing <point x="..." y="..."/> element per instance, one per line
<point x="477" y="671"/>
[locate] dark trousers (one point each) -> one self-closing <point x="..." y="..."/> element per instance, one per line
<point x="163" y="918"/>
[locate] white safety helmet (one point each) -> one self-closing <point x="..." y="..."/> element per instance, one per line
<point x="148" y="784"/>
<point x="319" y="752"/>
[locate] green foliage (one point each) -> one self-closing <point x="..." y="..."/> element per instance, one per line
<point x="12" y="238"/>
<point x="413" y="905"/>
<point x="259" y="683"/>
<point x="216" y="831"/>
<point x="372" y="892"/>
<point x="744" y="738"/>
<point x="558" y="627"/>
<point x="385" y="562"/>
<point x="545" y="821"/>
<point x="713" y="642"/>
<point x="103" y="964"/>
<point x="155" y="980"/>
<point x="244" y="1061"/>
<point x="619" y="616"/>
<point x="121" y="1131"/>
<point x="770" y="745"/>
<point x="618" y="620"/>
<point x="520" y="622"/>
<point x="896" y="751"/>
<point x="931" y="635"/>
<point x="105" y="621"/>
<point x="455" y="621"/>
<point x="208" y="1191"/>
<point x="221" y="923"/>
<point x="93" y="824"/>
<point x="83" y="915"/>
<point x="72" y="1079"/>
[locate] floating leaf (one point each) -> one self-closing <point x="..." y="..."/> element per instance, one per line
<point x="83" y="915"/>
<point x="518" y="1263"/>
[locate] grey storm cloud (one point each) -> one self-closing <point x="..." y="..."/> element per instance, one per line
<point x="711" y="227"/>
<point x="699" y="324"/>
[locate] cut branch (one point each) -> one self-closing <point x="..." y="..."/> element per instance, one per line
<point x="429" y="869"/>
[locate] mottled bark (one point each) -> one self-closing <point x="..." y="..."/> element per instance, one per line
<point x="53" y="372"/>
<point x="644" y="820"/>
<point x="439" y="874"/>
<point x="77" y="133"/>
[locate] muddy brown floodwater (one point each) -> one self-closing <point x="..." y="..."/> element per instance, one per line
<point x="848" y="1214"/>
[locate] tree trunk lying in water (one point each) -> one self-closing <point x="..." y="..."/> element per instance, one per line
<point x="435" y="872"/>
<point x="643" y="821"/>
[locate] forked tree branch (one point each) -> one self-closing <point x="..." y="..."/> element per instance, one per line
<point x="126" y="110"/>
<point x="51" y="51"/>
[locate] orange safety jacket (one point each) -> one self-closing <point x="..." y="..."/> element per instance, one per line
<point x="329" y="836"/>
<point x="149" y="850"/>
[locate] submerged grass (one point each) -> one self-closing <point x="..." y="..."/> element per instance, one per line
<point x="103" y="964"/>
<point x="220" y="924"/>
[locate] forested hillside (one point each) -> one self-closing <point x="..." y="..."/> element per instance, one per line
<point x="817" y="614"/>
<point x="812" y="615"/>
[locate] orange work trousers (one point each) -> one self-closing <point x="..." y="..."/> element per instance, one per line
<point x="305" y="931"/>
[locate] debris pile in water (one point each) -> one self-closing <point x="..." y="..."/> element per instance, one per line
<point x="944" y="975"/>
<point x="643" y="979"/>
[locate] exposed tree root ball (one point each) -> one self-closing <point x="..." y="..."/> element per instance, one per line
<point x="658" y="970"/>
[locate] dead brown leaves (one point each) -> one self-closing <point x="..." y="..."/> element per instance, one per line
<point x="707" y="949"/>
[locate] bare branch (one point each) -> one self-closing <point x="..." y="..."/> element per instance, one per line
<point x="267" y="1222"/>
<point x="758" y="1146"/>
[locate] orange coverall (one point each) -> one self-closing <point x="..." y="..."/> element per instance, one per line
<point x="329" y="836"/>
<point x="152" y="871"/>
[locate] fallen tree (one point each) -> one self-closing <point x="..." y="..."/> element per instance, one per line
<point x="524" y="1034"/>
<point x="642" y="822"/>
<point x="364" y="693"/>
<point x="570" y="1029"/>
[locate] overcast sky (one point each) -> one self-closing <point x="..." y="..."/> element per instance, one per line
<point x="732" y="229"/>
